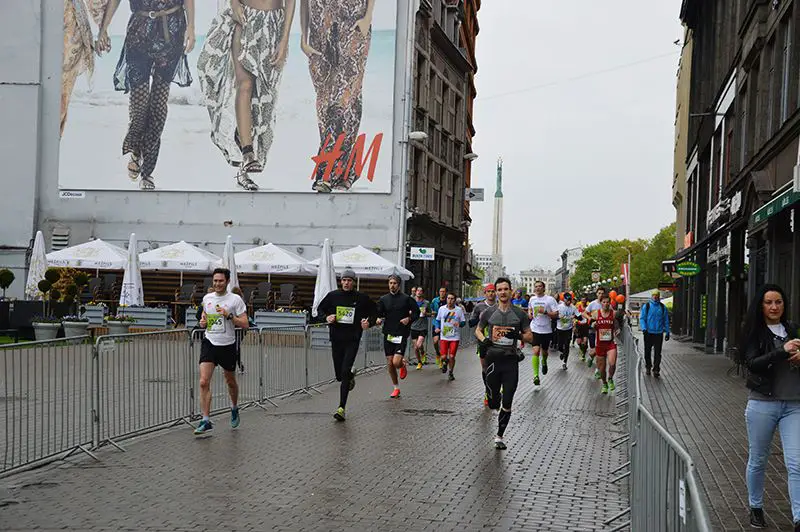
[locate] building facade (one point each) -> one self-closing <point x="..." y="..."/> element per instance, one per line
<point x="742" y="146"/>
<point x="568" y="260"/>
<point x="551" y="281"/>
<point x="439" y="169"/>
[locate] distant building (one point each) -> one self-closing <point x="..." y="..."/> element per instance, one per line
<point x="569" y="258"/>
<point x="529" y="277"/>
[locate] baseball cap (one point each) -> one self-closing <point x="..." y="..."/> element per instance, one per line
<point x="655" y="293"/>
<point x="348" y="274"/>
<point x="568" y="296"/>
<point x="489" y="286"/>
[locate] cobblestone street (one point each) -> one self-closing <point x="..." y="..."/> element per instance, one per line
<point x="424" y="462"/>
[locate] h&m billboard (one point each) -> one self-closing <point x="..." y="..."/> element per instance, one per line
<point x="236" y="95"/>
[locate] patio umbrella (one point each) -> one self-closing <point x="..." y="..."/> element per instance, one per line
<point x="36" y="269"/>
<point x="180" y="257"/>
<point x="229" y="261"/>
<point x="132" y="293"/>
<point x="326" y="277"/>
<point x="270" y="259"/>
<point x="93" y="255"/>
<point x="366" y="264"/>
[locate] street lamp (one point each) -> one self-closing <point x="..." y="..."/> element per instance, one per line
<point x="471" y="156"/>
<point x="418" y="135"/>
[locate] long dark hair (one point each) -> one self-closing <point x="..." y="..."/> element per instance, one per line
<point x="755" y="326"/>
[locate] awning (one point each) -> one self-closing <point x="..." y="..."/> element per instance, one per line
<point x="775" y="205"/>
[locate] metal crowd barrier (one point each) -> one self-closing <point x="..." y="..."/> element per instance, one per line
<point x="663" y="490"/>
<point x="67" y="395"/>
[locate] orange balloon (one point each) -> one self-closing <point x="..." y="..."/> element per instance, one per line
<point x="612" y="295"/>
<point x="620" y="299"/>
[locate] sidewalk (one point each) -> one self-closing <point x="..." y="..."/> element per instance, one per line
<point x="424" y="462"/>
<point x="700" y="400"/>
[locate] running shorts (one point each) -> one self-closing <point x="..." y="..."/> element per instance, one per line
<point x="219" y="355"/>
<point x="582" y="331"/>
<point x="391" y="349"/>
<point x="448" y="347"/>
<point x="417" y="334"/>
<point x="592" y="337"/>
<point x="542" y="340"/>
<point x="603" y="348"/>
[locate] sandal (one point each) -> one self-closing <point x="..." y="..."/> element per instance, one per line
<point x="250" y="164"/>
<point x="321" y="186"/>
<point x="244" y="181"/>
<point x="147" y="183"/>
<point x="134" y="167"/>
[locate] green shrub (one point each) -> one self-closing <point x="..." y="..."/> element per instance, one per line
<point x="52" y="275"/>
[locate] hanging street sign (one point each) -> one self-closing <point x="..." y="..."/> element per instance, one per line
<point x="687" y="269"/>
<point x="473" y="194"/>
<point x="422" y="253"/>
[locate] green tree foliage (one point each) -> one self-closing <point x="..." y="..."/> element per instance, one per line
<point x="609" y="255"/>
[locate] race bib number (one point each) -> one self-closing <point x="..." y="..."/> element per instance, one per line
<point x="564" y="321"/>
<point x="346" y="315"/>
<point x="215" y="323"/>
<point x="447" y="331"/>
<point x="397" y="340"/>
<point x="538" y="310"/>
<point x="606" y="335"/>
<point x="499" y="336"/>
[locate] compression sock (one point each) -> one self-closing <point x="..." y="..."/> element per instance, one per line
<point x="535" y="362"/>
<point x="502" y="421"/>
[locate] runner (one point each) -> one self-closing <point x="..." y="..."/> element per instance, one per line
<point x="582" y="329"/>
<point x="542" y="309"/>
<point x="222" y="313"/>
<point x="348" y="313"/>
<point x="437" y="302"/>
<point x="498" y="330"/>
<point x="448" y="323"/>
<point x="605" y="325"/>
<point x="490" y="301"/>
<point x="419" y="328"/>
<point x="594" y="306"/>
<point x="566" y="322"/>
<point x="395" y="312"/>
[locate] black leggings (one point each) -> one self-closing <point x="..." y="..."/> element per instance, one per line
<point x="501" y="371"/>
<point x="344" y="356"/>
<point x="564" y="338"/>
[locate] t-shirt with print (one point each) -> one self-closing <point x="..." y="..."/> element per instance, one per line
<point x="593" y="307"/>
<point x="539" y="307"/>
<point x="421" y="323"/>
<point x="220" y="331"/>
<point x="497" y="323"/>
<point x="450" y="322"/>
<point x="566" y="316"/>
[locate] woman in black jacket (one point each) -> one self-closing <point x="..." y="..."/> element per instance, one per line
<point x="770" y="350"/>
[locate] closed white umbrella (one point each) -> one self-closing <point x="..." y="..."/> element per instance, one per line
<point x="229" y="261"/>
<point x="326" y="277"/>
<point x="132" y="292"/>
<point x="36" y="269"/>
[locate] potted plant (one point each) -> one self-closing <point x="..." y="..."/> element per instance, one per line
<point x="75" y="325"/>
<point x="6" y="278"/>
<point x="46" y="327"/>
<point x="119" y="324"/>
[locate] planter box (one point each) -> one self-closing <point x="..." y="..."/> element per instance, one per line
<point x="320" y="337"/>
<point x="279" y="319"/>
<point x="46" y="331"/>
<point x="119" y="327"/>
<point x="190" y="318"/>
<point x="75" y="328"/>
<point x="146" y="317"/>
<point x="95" y="313"/>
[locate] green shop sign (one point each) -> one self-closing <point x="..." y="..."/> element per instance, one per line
<point x="787" y="198"/>
<point x="687" y="269"/>
<point x="703" y="311"/>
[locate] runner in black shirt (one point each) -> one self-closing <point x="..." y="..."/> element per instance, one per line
<point x="348" y="313"/>
<point x="499" y="329"/>
<point x="396" y="311"/>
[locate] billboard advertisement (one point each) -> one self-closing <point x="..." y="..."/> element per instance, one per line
<point x="229" y="95"/>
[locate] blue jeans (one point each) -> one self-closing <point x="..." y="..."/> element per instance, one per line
<point x="763" y="417"/>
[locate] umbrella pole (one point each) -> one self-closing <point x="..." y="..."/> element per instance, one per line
<point x="358" y="283"/>
<point x="181" y="277"/>
<point x="269" y="277"/>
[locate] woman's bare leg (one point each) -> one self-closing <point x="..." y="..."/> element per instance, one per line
<point x="244" y="93"/>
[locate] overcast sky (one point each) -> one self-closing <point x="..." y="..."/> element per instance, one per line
<point x="584" y="159"/>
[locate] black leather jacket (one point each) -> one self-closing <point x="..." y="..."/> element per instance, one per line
<point x="763" y="360"/>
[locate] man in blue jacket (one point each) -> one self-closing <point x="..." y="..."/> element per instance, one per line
<point x="654" y="324"/>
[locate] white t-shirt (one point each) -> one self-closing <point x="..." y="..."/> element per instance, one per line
<point x="566" y="316"/>
<point x="450" y="322"/>
<point x="593" y="306"/>
<point x="778" y="330"/>
<point x="539" y="306"/>
<point x="220" y="331"/>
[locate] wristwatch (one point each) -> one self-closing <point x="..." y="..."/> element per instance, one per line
<point x="230" y="316"/>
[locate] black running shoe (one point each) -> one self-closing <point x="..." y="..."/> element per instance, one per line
<point x="352" y="383"/>
<point x="444" y="367"/>
<point x="544" y="367"/>
<point x="450" y="376"/>
<point x="499" y="444"/>
<point x="757" y="518"/>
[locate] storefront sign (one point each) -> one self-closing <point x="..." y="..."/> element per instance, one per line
<point x="688" y="240"/>
<point x="703" y="311"/>
<point x="774" y="207"/>
<point x="736" y="203"/>
<point x="422" y="253"/>
<point x="687" y="269"/>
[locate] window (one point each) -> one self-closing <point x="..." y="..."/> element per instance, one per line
<point x="716" y="168"/>
<point x="422" y="182"/>
<point x="743" y="103"/>
<point x="447" y="207"/>
<point x="769" y="97"/>
<point x="436" y="189"/>
<point x="728" y="164"/>
<point x="786" y="65"/>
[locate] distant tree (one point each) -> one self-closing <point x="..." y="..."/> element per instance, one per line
<point x="6" y="278"/>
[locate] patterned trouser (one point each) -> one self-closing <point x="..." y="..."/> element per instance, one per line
<point x="147" y="115"/>
<point x="338" y="76"/>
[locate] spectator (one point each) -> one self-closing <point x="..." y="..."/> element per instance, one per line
<point x="654" y="324"/>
